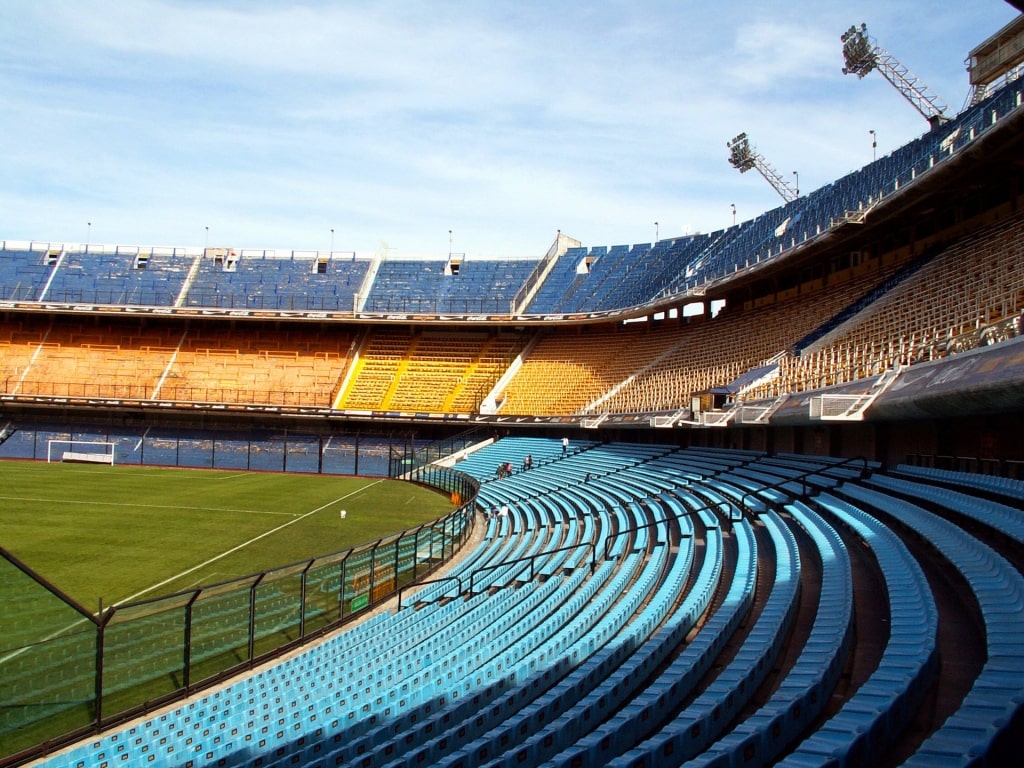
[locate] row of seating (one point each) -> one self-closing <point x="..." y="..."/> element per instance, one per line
<point x="801" y="697"/>
<point x="993" y="707"/>
<point x="589" y="625"/>
<point x="871" y="719"/>
<point x="631" y="369"/>
<point x="1007" y="487"/>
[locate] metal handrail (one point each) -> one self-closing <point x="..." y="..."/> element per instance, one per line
<point x="532" y="558"/>
<point x="632" y="529"/>
<point x="865" y="471"/>
<point x="401" y="590"/>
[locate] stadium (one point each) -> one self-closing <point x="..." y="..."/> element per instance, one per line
<point x="759" y="497"/>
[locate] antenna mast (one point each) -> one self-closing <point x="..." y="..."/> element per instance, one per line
<point x="863" y="54"/>
<point x="743" y="157"/>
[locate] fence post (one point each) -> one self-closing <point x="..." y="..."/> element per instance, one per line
<point x="302" y="594"/>
<point x="252" y="615"/>
<point x="186" y="678"/>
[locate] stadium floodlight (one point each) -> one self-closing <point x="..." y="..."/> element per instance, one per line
<point x="863" y="55"/>
<point x="743" y="157"/>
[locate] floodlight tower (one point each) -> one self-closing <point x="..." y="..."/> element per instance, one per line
<point x="863" y="54"/>
<point x="744" y="157"/>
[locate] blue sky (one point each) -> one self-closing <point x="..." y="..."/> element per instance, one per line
<point x="395" y="122"/>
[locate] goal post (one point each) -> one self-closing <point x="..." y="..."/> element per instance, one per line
<point x="87" y="451"/>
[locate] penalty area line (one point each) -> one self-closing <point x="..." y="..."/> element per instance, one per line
<point x="244" y="544"/>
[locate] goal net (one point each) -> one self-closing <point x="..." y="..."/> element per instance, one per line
<point x="88" y="451"/>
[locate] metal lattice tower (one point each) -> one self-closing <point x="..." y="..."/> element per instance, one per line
<point x="863" y="55"/>
<point x="744" y="157"/>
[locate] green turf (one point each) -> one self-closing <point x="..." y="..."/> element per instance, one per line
<point x="127" y="532"/>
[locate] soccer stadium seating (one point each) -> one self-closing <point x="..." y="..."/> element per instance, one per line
<point x="634" y="596"/>
<point x="626" y="369"/>
<point x="432" y="372"/>
<point x="587" y="664"/>
<point x="148" y="362"/>
<point x="24" y="273"/>
<point x="263" y="282"/>
<point x="423" y="286"/>
<point x="922" y="316"/>
<point x="117" y="278"/>
<point x="623" y="370"/>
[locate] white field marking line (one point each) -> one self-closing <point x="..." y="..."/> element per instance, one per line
<point x="44" y="467"/>
<point x="57" y="633"/>
<point x="134" y="505"/>
<point x="215" y="577"/>
<point x="247" y="543"/>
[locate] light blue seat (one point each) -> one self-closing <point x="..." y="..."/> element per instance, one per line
<point x="997" y="696"/>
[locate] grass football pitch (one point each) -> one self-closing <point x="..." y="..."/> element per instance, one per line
<point x="118" y="534"/>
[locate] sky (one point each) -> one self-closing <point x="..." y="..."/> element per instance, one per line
<point x="419" y="128"/>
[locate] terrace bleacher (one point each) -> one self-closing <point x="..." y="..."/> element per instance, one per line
<point x="70" y="358"/>
<point x="623" y="370"/>
<point x="140" y="279"/>
<point x="302" y="282"/>
<point x="923" y="317"/>
<point x="433" y="287"/>
<point x="566" y="645"/>
<point x="23" y="274"/>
